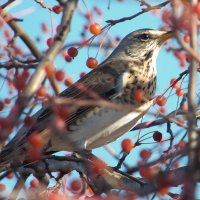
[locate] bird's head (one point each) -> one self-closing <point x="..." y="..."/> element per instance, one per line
<point x="141" y="44"/>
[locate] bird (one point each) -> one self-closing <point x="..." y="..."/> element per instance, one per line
<point x="130" y="67"/>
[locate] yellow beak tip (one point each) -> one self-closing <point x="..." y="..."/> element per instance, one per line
<point x="167" y="36"/>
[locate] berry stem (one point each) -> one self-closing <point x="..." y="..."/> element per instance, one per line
<point x="89" y="13"/>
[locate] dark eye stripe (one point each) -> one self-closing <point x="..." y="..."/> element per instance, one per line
<point x="144" y="37"/>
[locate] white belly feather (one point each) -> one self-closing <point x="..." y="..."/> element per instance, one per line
<point x="99" y="129"/>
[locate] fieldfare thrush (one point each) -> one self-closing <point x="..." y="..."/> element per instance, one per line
<point x="131" y="66"/>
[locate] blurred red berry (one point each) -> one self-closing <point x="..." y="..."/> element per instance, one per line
<point x="60" y="75"/>
<point x="161" y="100"/>
<point x="35" y="139"/>
<point x="196" y="8"/>
<point x="10" y="176"/>
<point x="76" y="186"/>
<point x="179" y="92"/>
<point x="7" y="100"/>
<point x="184" y="106"/>
<point x="82" y="74"/>
<point x="68" y="82"/>
<point x="49" y="42"/>
<point x="138" y="95"/>
<point x="42" y="91"/>
<point x="50" y="70"/>
<point x="34" y="183"/>
<point x="7" y="34"/>
<point x="98" y="166"/>
<point x="162" y="109"/>
<point x="57" y="9"/>
<point x="146" y="172"/>
<point x="19" y="82"/>
<point x="145" y="154"/>
<point x="186" y="38"/>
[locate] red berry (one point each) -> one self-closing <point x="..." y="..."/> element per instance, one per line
<point x="162" y="109"/>
<point x="161" y="100"/>
<point x="95" y="28"/>
<point x="146" y="172"/>
<point x="19" y="82"/>
<point x="157" y="136"/>
<point x="196" y="8"/>
<point x="59" y="124"/>
<point x="60" y="75"/>
<point x="72" y="52"/>
<point x="173" y="81"/>
<point x="49" y="42"/>
<point x="98" y="166"/>
<point x="7" y="34"/>
<point x="7" y="100"/>
<point x="34" y="183"/>
<point x="76" y="186"/>
<point x="127" y="145"/>
<point x="50" y="70"/>
<point x="10" y="176"/>
<point x="138" y="95"/>
<point x="42" y="91"/>
<point x="186" y="38"/>
<point x="184" y="106"/>
<point x="57" y="9"/>
<point x="2" y="187"/>
<point x="66" y="56"/>
<point x="179" y="55"/>
<point x="68" y="82"/>
<point x="25" y="74"/>
<point x="91" y="62"/>
<point x="163" y="191"/>
<point x="35" y="139"/>
<point x="179" y="92"/>
<point x="145" y="154"/>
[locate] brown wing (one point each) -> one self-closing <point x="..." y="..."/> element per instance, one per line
<point x="101" y="82"/>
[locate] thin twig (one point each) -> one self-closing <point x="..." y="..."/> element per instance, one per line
<point x="144" y="10"/>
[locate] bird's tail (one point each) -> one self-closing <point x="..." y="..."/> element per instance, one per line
<point x="5" y="160"/>
<point x="10" y="156"/>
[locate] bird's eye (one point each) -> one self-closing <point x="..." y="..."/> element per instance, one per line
<point x="144" y="37"/>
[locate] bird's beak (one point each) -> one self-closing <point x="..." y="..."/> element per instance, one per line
<point x="166" y="36"/>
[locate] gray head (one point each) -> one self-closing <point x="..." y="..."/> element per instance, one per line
<point x="141" y="44"/>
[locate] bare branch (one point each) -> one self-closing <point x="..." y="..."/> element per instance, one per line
<point x="144" y="10"/>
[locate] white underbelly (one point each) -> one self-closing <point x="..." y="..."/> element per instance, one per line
<point x="101" y="128"/>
